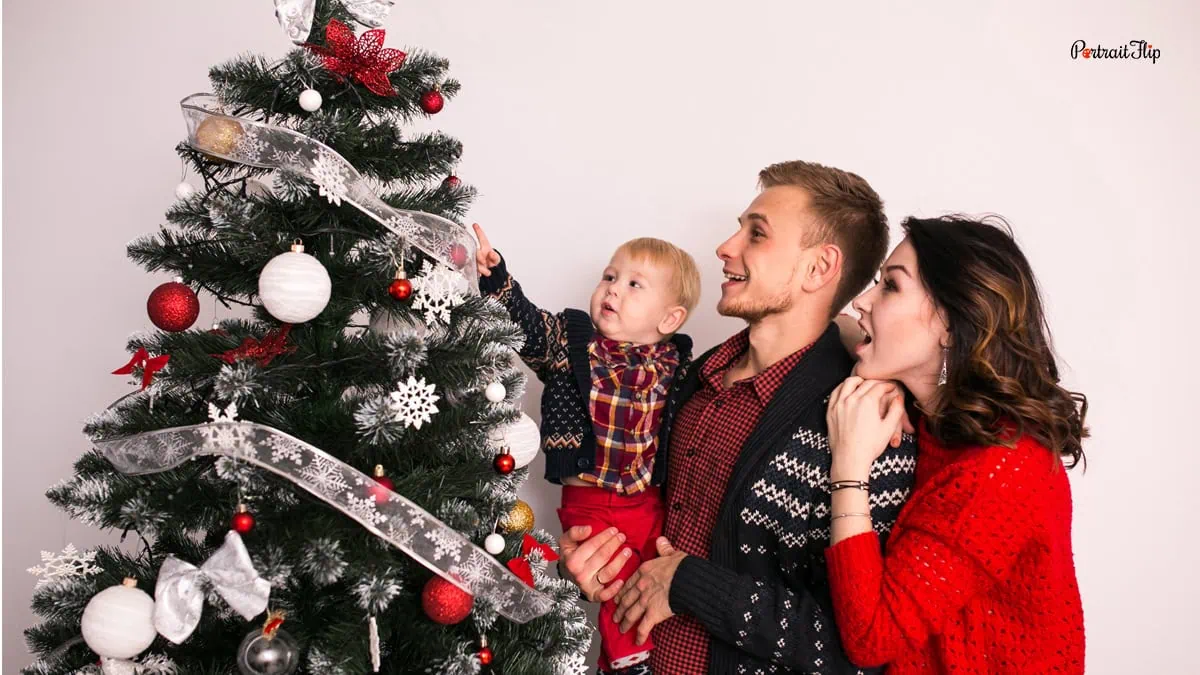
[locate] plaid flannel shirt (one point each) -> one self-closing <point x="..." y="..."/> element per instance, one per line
<point x="629" y="392"/>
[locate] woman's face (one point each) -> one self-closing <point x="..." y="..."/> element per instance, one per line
<point x="905" y="333"/>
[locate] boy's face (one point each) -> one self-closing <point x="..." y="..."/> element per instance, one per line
<point x="634" y="301"/>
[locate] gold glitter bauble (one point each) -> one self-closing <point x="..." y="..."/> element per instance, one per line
<point x="519" y="519"/>
<point x="219" y="135"/>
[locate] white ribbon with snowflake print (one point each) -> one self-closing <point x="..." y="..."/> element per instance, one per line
<point x="273" y="147"/>
<point x="398" y="521"/>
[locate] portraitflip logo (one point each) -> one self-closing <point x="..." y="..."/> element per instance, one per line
<point x="1134" y="49"/>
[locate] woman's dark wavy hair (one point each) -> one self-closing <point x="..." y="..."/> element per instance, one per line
<point x="1001" y="367"/>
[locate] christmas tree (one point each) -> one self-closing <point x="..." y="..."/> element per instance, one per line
<point x="326" y="484"/>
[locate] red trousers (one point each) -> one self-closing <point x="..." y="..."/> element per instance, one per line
<point x="640" y="518"/>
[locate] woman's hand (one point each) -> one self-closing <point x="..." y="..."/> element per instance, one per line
<point x="485" y="256"/>
<point x="861" y="424"/>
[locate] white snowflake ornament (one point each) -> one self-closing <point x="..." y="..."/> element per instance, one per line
<point x="66" y="565"/>
<point x="438" y="289"/>
<point x="327" y="174"/>
<point x="413" y="402"/>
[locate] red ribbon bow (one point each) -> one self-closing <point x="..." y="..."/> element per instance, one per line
<point x="141" y="359"/>
<point x="362" y="58"/>
<point x="520" y="566"/>
<point x="273" y="344"/>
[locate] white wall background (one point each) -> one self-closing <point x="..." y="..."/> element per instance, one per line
<point x="589" y="123"/>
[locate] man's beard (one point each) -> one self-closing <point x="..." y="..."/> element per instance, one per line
<point x="754" y="311"/>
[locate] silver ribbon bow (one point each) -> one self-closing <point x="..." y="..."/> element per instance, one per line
<point x="296" y="16"/>
<point x="179" y="594"/>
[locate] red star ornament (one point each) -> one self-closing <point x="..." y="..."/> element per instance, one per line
<point x="362" y="58"/>
<point x="149" y="365"/>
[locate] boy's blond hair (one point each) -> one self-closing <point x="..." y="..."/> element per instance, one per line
<point x="685" y="276"/>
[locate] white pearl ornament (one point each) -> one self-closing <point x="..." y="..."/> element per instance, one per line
<point x="118" y="622"/>
<point x="294" y="286"/>
<point x="184" y="191"/>
<point x="310" y="100"/>
<point x="494" y="543"/>
<point x="495" y="392"/>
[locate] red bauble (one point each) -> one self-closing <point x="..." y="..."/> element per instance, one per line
<point x="486" y="656"/>
<point x="444" y="602"/>
<point x="401" y="289"/>
<point x="451" y="181"/>
<point x="458" y="255"/>
<point x="504" y="463"/>
<point x="432" y="101"/>
<point x="243" y="520"/>
<point x="173" y="306"/>
<point x="381" y="492"/>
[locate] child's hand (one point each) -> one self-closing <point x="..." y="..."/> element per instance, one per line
<point x="485" y="256"/>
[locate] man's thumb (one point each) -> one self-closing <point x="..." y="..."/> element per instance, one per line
<point x="664" y="546"/>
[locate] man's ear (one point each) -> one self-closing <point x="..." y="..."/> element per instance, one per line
<point x="824" y="267"/>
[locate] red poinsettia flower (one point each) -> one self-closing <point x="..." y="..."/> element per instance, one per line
<point x="362" y="58"/>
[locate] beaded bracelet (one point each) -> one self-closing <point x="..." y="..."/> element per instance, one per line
<point x="847" y="515"/>
<point x="848" y="484"/>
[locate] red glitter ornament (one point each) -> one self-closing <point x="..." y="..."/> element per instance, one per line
<point x="363" y="59"/>
<point x="173" y="306"/>
<point x="432" y="101"/>
<point x="382" y="491"/>
<point x="444" y="602"/>
<point x="451" y="182"/>
<point x="485" y="656"/>
<point x="504" y="463"/>
<point x="243" y="520"/>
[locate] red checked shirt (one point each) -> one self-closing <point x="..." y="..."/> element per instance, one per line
<point x="707" y="438"/>
<point x="629" y="392"/>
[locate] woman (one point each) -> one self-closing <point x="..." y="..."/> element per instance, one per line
<point x="978" y="576"/>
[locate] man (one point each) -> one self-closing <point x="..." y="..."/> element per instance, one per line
<point x="740" y="585"/>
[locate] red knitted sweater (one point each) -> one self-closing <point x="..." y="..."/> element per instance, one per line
<point x="979" y="576"/>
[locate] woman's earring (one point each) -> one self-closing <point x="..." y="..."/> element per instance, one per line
<point x="942" y="375"/>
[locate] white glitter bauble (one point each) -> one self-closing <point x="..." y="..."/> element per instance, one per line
<point x="522" y="438"/>
<point x="118" y="622"/>
<point x="310" y="100"/>
<point x="495" y="392"/>
<point x="184" y="191"/>
<point x="294" y="286"/>
<point x="494" y="543"/>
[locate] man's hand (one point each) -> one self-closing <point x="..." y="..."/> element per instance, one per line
<point x="587" y="562"/>
<point x="485" y="256"/>
<point x="645" y="600"/>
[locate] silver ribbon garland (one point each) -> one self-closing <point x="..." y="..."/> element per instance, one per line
<point x="296" y="16"/>
<point x="398" y="521"/>
<point x="179" y="593"/>
<point x="273" y="147"/>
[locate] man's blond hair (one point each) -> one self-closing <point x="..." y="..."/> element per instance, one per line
<point x="685" y="276"/>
